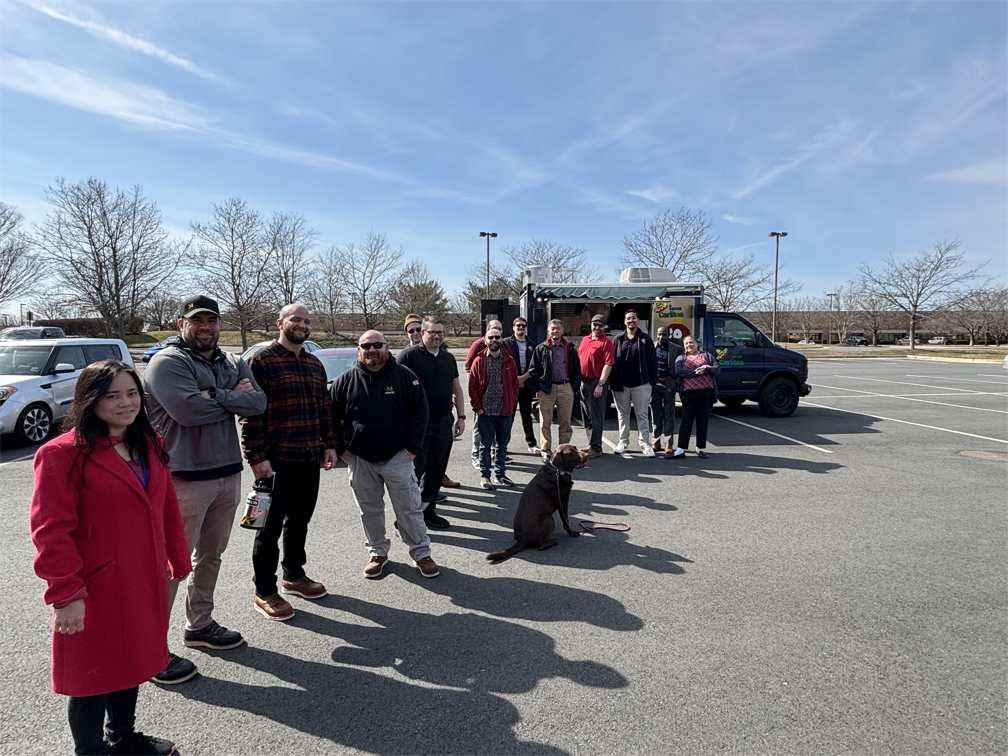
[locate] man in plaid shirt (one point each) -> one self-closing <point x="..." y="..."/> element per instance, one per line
<point x="288" y="441"/>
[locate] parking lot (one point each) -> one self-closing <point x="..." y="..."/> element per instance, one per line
<point x="833" y="582"/>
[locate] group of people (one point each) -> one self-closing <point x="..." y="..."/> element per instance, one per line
<point x="160" y="459"/>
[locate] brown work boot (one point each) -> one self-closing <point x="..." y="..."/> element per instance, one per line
<point x="375" y="566"/>
<point x="274" y="607"/>
<point x="447" y="482"/>
<point x="304" y="587"/>
<point x="427" y="567"/>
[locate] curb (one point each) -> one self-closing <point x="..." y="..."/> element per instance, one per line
<point x="952" y="359"/>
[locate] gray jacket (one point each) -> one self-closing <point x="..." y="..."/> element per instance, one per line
<point x="200" y="433"/>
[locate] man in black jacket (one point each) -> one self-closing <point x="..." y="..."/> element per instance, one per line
<point x="521" y="351"/>
<point x="555" y="373"/>
<point x="380" y="418"/>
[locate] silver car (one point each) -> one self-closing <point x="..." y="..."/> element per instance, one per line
<point x="38" y="378"/>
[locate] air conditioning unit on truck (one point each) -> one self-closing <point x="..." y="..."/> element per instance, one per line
<point x="752" y="366"/>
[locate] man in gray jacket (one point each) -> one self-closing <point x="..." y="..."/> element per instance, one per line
<point x="194" y="390"/>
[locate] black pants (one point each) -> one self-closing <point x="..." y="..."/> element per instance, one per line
<point x="698" y="404"/>
<point x="593" y="411"/>
<point x="295" y="491"/>
<point x="87" y="719"/>
<point x="525" y="396"/>
<point x="431" y="462"/>
<point x="663" y="409"/>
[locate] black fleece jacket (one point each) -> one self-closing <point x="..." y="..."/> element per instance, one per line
<point x="376" y="415"/>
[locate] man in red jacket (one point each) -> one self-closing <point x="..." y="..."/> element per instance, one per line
<point x="493" y="393"/>
<point x="477" y="348"/>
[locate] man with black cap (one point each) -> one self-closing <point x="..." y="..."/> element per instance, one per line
<point x="194" y="391"/>
<point x="597" y="358"/>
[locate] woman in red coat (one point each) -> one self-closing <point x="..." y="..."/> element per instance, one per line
<point x="106" y="525"/>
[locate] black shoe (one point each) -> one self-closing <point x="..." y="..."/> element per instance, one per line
<point x="701" y="453"/>
<point x="435" y="521"/>
<point x="213" y="636"/>
<point x="441" y="497"/>
<point x="139" y="744"/>
<point x="178" y="671"/>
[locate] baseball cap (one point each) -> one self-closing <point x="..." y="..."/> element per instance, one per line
<point x="598" y="318"/>
<point x="411" y="318"/>
<point x="199" y="304"/>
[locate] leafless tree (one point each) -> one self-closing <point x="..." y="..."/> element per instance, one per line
<point x="232" y="261"/>
<point x="738" y="284"/>
<point x="504" y="282"/>
<point x="976" y="312"/>
<point x="107" y="248"/>
<point x="326" y="288"/>
<point x="290" y="241"/>
<point x="809" y="316"/>
<point x="568" y="264"/>
<point x="53" y="305"/>
<point x="924" y="282"/>
<point x="161" y="310"/>
<point x="873" y="312"/>
<point x="370" y="272"/>
<point x="416" y="291"/>
<point x="20" y="269"/>
<point x="461" y="315"/>
<point x="680" y="241"/>
<point x="998" y="328"/>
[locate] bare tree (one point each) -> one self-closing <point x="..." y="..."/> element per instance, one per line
<point x="738" y="284"/>
<point x="924" y="282"/>
<point x="417" y="292"/>
<point x="19" y="268"/>
<point x="567" y="263"/>
<point x="370" y="272"/>
<point x="975" y="312"/>
<point x="680" y="241"/>
<point x="461" y="315"/>
<point x="999" y="315"/>
<point x="808" y="316"/>
<point x="326" y="288"/>
<point x="108" y="249"/>
<point x="290" y="241"/>
<point x="233" y="261"/>
<point x="504" y="282"/>
<point x="54" y="305"/>
<point x="161" y="310"/>
<point x="872" y="312"/>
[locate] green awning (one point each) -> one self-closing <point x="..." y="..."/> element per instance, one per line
<point x="613" y="291"/>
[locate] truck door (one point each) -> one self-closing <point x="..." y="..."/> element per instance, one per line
<point x="737" y="347"/>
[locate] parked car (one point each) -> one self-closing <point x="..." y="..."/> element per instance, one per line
<point x="151" y="351"/>
<point x="1004" y="363"/>
<point x="939" y="340"/>
<point x="810" y="342"/>
<point x="905" y="341"/>
<point x="21" y="333"/>
<point x="38" y="378"/>
<point x="336" y="361"/>
<point x="310" y="346"/>
<point x="856" y="341"/>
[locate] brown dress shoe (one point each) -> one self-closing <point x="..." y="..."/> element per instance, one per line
<point x="375" y="566"/>
<point x="447" y="482"/>
<point x="274" y="607"/>
<point x="304" y="587"/>
<point x="428" y="568"/>
<point x="669" y="449"/>
<point x="656" y="446"/>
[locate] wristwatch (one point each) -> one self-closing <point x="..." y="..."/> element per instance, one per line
<point x="212" y="391"/>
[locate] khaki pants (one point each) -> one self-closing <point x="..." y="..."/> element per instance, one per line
<point x="561" y="397"/>
<point x="368" y="482"/>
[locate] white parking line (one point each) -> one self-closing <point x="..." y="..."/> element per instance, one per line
<point x="989" y="375"/>
<point x="904" y="383"/>
<point x="873" y="394"/>
<point x="929" y="393"/>
<point x="960" y="380"/>
<point x="905" y="422"/>
<point x="773" y="433"/>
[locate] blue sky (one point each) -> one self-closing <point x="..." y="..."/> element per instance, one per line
<point x="859" y="128"/>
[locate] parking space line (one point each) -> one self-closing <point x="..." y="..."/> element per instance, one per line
<point x="988" y="375"/>
<point x="905" y="422"/>
<point x="773" y="433"/>
<point x="914" y="399"/>
<point x="871" y="393"/>
<point x="961" y="380"/>
<point x="904" y="383"/>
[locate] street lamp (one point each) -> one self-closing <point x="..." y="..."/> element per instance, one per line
<point x="489" y="235"/>
<point x="778" y="235"/>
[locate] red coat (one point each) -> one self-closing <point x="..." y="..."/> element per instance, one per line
<point x="509" y="377"/>
<point x="111" y="544"/>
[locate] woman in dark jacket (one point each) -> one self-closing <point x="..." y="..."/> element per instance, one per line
<point x="695" y="371"/>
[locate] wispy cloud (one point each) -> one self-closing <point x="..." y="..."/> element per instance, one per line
<point x="739" y="219"/>
<point x="658" y="194"/>
<point x="989" y="172"/>
<point x="124" y="40"/>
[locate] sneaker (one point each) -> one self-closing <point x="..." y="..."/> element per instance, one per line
<point x="656" y="446"/>
<point x="375" y="566"/>
<point x="447" y="482"/>
<point x="475" y="464"/>
<point x="485" y="482"/>
<point x="213" y="636"/>
<point x="435" y="521"/>
<point x="533" y="449"/>
<point x="441" y="497"/>
<point x="648" y="451"/>
<point x="427" y="567"/>
<point x="669" y="449"/>
<point x="504" y="481"/>
<point x="508" y="461"/>
<point x="274" y="608"/>
<point x="621" y="448"/>
<point x="304" y="587"/>
<point x="591" y="453"/>
<point x="139" y="744"/>
<point x="178" y="671"/>
<point x="701" y="453"/>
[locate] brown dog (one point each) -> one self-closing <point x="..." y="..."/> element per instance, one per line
<point x="548" y="492"/>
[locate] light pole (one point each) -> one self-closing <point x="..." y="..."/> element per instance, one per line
<point x="829" y="327"/>
<point x="22" y="314"/>
<point x="776" y="260"/>
<point x="489" y="235"/>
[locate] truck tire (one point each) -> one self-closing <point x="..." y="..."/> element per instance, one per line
<point x="33" y="424"/>
<point x="778" y="397"/>
<point x="732" y="401"/>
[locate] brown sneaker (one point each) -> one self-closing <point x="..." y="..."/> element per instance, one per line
<point x="447" y="482"/>
<point x="274" y="608"/>
<point x="304" y="587"/>
<point x="427" y="567"/>
<point x="656" y="446"/>
<point x="375" y="566"/>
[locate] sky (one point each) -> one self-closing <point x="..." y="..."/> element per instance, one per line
<point x="861" y="129"/>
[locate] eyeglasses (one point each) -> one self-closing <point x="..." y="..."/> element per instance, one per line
<point x="372" y="345"/>
<point x="436" y="333"/>
<point x="413" y="330"/>
<point x="493" y="338"/>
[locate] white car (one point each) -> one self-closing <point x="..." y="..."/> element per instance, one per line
<point x="939" y="340"/>
<point x="38" y="378"/>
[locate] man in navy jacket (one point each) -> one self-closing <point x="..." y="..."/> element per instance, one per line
<point x="633" y="375"/>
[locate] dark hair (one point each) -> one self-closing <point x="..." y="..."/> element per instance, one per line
<point x="627" y="312"/>
<point x="92" y="386"/>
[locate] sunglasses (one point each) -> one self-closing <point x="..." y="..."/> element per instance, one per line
<point x="493" y="338"/>
<point x="520" y="325"/>
<point x="372" y="345"/>
<point x="413" y="330"/>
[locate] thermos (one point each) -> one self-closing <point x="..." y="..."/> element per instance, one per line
<point x="257" y="504"/>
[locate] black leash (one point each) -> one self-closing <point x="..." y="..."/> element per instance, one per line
<point x="587" y="526"/>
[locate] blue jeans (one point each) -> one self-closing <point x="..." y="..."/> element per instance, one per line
<point x="495" y="431"/>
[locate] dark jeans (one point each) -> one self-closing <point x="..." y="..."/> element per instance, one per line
<point x="431" y="462"/>
<point x="663" y="410"/>
<point x="295" y="491"/>
<point x="525" y="396"/>
<point x="494" y="429"/>
<point x="593" y="412"/>
<point x="87" y="719"/>
<point x="698" y="404"/>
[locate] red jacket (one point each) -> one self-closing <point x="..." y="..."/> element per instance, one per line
<point x="509" y="376"/>
<point x="111" y="544"/>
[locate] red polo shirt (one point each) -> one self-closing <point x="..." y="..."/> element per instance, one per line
<point x="594" y="354"/>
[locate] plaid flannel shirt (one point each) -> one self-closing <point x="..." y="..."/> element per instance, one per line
<point x="297" y="422"/>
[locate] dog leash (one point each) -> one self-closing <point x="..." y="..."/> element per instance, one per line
<point x="587" y="526"/>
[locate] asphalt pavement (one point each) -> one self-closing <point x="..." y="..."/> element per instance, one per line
<point x="833" y="582"/>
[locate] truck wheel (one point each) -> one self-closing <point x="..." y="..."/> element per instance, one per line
<point x="778" y="398"/>
<point x="732" y="401"/>
<point x="34" y="424"/>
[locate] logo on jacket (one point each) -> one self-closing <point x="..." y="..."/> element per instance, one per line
<point x="389" y="390"/>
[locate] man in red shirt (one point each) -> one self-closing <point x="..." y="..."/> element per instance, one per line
<point x="597" y="360"/>
<point x="477" y="348"/>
